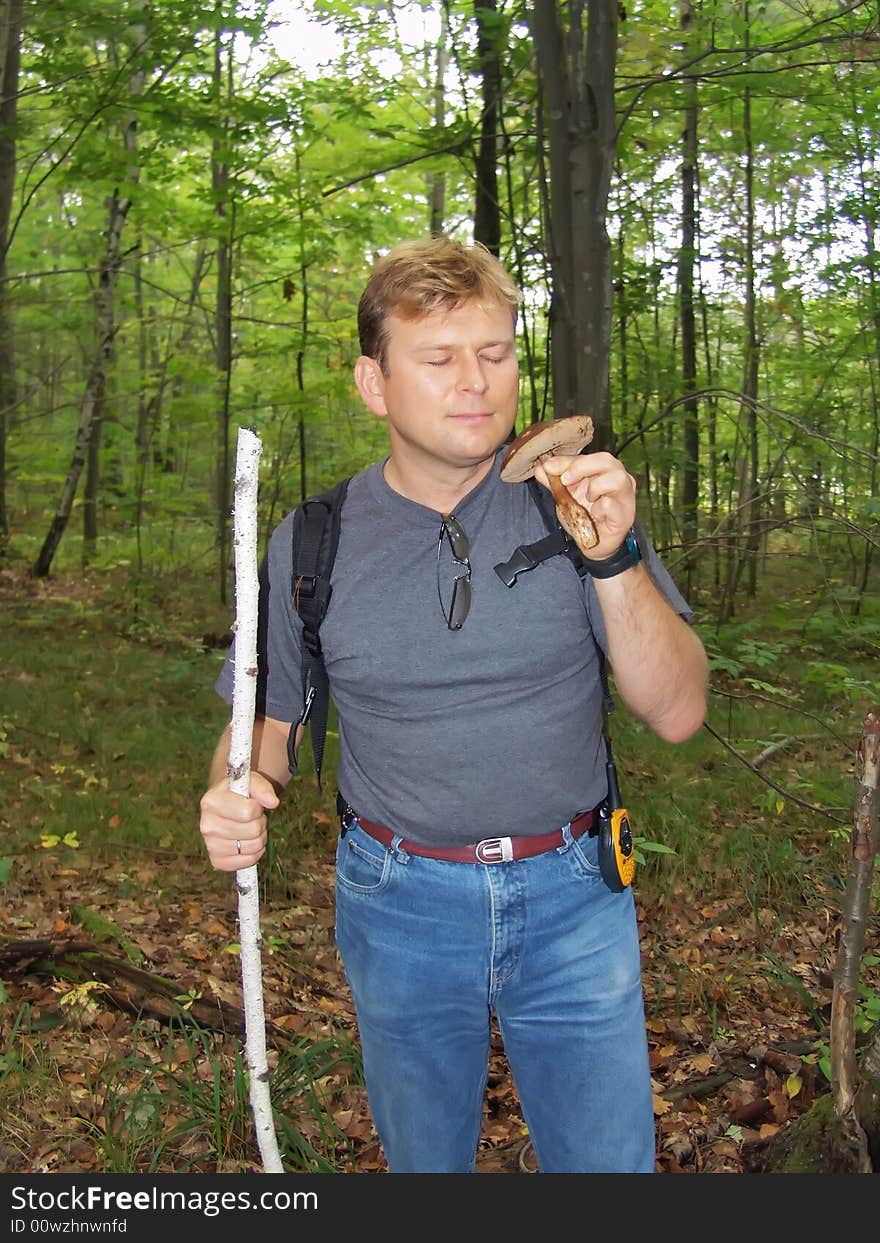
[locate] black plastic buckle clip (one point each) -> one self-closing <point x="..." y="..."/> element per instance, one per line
<point x="528" y="556"/>
<point x="305" y="585"/>
<point x="507" y="571"/>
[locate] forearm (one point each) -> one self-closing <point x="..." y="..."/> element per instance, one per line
<point x="659" y="664"/>
<point x="268" y="752"/>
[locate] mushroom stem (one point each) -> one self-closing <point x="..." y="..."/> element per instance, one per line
<point x="561" y="494"/>
<point x="577" y="520"/>
<point x="572" y="513"/>
<point x="558" y="437"/>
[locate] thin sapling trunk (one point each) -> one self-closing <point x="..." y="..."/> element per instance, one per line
<point x="845" y="1079"/>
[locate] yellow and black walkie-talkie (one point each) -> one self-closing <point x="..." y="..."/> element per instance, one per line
<point x="617" y="856"/>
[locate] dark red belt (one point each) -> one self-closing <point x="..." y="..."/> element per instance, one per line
<point x="489" y="850"/>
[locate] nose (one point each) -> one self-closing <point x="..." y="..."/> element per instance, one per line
<point x="472" y="375"/>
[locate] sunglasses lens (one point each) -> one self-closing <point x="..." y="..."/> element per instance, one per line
<point x="460" y="547"/>
<point x="458" y="541"/>
<point x="461" y="603"/>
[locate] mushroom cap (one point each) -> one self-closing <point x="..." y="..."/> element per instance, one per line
<point x="545" y="439"/>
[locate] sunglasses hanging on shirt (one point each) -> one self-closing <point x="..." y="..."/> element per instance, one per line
<point x="459" y="546"/>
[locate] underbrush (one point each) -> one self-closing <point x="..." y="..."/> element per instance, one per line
<point x="165" y="1100"/>
<point x="106" y="727"/>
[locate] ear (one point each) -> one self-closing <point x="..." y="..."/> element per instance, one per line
<point x="371" y="385"/>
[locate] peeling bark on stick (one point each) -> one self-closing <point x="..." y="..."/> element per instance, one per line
<point x="244" y="693"/>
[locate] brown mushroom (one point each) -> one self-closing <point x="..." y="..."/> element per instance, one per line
<point x="564" y="437"/>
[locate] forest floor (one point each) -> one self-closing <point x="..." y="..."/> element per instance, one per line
<point x="120" y="987"/>
<point x="726" y="1078"/>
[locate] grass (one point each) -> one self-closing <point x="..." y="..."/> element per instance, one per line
<point x="791" y="679"/>
<point x="179" y="1102"/>
<point x="109" y="718"/>
<point x="107" y="723"/>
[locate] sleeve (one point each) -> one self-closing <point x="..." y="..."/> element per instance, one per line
<point x="661" y="577"/>
<point x="279" y="636"/>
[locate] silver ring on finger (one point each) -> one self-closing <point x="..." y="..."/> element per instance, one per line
<point x="238" y="848"/>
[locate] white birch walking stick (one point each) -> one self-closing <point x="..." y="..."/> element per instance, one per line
<point x="244" y="694"/>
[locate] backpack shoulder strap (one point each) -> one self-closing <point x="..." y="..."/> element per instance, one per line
<point x="528" y="556"/>
<point x="315" y="539"/>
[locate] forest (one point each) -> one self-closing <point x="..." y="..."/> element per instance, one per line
<point x="192" y="195"/>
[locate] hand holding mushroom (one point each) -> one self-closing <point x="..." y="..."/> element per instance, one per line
<point x="595" y="495"/>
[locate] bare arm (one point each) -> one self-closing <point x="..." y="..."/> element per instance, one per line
<point x="659" y="663"/>
<point x="660" y="666"/>
<point x="234" y="828"/>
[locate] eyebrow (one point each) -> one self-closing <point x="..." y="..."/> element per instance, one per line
<point x="454" y="345"/>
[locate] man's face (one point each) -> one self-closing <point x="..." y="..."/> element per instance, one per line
<point x="450" y="385"/>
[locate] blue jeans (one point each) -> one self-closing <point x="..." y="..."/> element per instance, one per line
<point x="431" y="948"/>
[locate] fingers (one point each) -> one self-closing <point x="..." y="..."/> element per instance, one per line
<point x="232" y="856"/>
<point x="263" y="791"/>
<point x="600" y="483"/>
<point x="233" y="827"/>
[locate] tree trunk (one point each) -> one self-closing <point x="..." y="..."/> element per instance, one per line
<point x="162" y="453"/>
<point x="576" y="74"/>
<point x="526" y="325"/>
<point x="622" y="328"/>
<point x="222" y="316"/>
<point x="746" y="522"/>
<point x="686" y="264"/>
<point x="136" y="89"/>
<point x="10" y="53"/>
<point x="303" y="335"/>
<point x="487" y="214"/>
<point x="93" y="457"/>
<point x="840" y="1133"/>
<point x="437" y="181"/>
<point x="868" y="211"/>
<point x="750" y="500"/>
<point x="712" y="440"/>
<point x="93" y="474"/>
<point x="856" y="910"/>
<point x="106" y="330"/>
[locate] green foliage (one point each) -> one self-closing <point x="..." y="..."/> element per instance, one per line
<point x="325" y="168"/>
<point x="188" y="1109"/>
<point x="837" y="680"/>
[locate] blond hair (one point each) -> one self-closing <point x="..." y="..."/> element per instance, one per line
<point x="433" y="274"/>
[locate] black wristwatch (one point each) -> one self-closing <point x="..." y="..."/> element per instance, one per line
<point x="627" y="555"/>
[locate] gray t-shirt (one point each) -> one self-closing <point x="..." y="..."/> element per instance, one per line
<point x="447" y="736"/>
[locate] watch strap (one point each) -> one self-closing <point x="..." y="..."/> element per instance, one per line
<point x="627" y="555"/>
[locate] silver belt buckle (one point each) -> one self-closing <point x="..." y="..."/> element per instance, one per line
<point x="494" y="850"/>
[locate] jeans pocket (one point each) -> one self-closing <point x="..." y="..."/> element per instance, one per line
<point x="584" y="853"/>
<point x="362" y="865"/>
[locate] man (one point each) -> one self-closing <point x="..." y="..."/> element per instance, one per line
<point x="471" y="752"/>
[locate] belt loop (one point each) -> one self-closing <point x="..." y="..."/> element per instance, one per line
<point x="397" y="850"/>
<point x="567" y="839"/>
